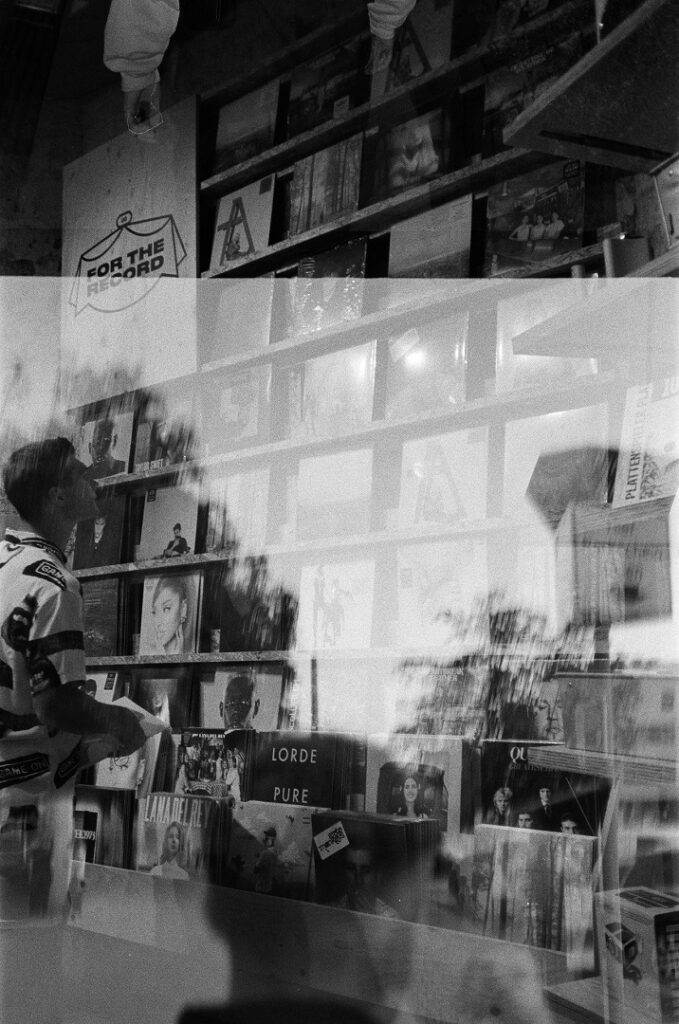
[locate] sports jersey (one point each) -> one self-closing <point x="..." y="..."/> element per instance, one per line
<point x="41" y="647"/>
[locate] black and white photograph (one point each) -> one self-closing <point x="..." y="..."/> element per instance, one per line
<point x="339" y="443"/>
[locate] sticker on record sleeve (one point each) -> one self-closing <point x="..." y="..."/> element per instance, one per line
<point x="331" y="840"/>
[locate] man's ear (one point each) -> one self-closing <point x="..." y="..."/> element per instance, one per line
<point x="256" y="708"/>
<point x="55" y="495"/>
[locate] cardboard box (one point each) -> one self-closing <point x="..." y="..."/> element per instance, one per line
<point x="621" y="713"/>
<point x="638" y="941"/>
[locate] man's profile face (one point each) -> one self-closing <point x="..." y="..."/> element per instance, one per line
<point x="359" y="872"/>
<point x="79" y="492"/>
<point x="239" y="707"/>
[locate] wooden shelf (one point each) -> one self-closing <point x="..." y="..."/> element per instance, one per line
<point x="619" y="105"/>
<point x="666" y="265"/>
<point x="401" y="102"/>
<point x="520" y="402"/>
<point x="589" y="255"/>
<point x="374" y="539"/>
<point x="380" y="215"/>
<point x="608" y="766"/>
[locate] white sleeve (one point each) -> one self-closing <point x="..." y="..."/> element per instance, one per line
<point x="388" y="15"/>
<point x="136" y="37"/>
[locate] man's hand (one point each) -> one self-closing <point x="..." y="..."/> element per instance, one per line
<point x="124" y="725"/>
<point x="380" y="55"/>
<point x="142" y="109"/>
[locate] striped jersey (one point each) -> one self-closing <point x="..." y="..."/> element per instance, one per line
<point x="41" y="647"/>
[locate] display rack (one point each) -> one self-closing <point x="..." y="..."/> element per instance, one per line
<point x="322" y="946"/>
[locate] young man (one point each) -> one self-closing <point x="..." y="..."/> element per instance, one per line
<point x="46" y="716"/>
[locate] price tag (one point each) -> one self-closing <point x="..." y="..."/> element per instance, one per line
<point x="331" y="840"/>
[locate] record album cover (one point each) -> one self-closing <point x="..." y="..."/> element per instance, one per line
<point x="435" y="243"/>
<point x="327" y="87"/>
<point x="103" y="441"/>
<point x="246" y="126"/>
<point x="334" y="494"/>
<point x="236" y="409"/>
<point x="253" y="695"/>
<point x="170" y="614"/>
<point x="180" y="836"/>
<point x="444" y="478"/>
<point x="325" y="185"/>
<point x="330" y="395"/>
<point x="169" y="523"/>
<point x="237" y="511"/>
<point x="243" y="223"/>
<point x="270" y="850"/>
<point x="335" y="605"/>
<point x="426" y="368"/>
<point x="535" y="217"/>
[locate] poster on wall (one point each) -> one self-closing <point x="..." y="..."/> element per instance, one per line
<point x="130" y="261"/>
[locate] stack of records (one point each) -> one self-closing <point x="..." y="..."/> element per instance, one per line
<point x="373" y="863"/>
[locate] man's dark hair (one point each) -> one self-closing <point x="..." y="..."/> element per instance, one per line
<point x="32" y="470"/>
<point x="177" y="526"/>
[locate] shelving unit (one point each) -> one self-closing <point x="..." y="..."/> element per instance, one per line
<point x="378" y="216"/>
<point x="328" y="949"/>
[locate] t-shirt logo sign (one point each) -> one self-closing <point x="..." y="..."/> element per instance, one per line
<point x="122" y="268"/>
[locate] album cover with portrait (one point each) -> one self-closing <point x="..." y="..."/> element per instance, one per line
<point x="170" y="614"/>
<point x="181" y="837"/>
<point x="406" y="155"/>
<point x="254" y="695"/>
<point x="170" y="517"/>
<point x="516" y="792"/>
<point x="535" y="217"/>
<point x="99" y="541"/>
<point x="102" y="439"/>
<point x="419" y="777"/>
<point x="372" y="863"/>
